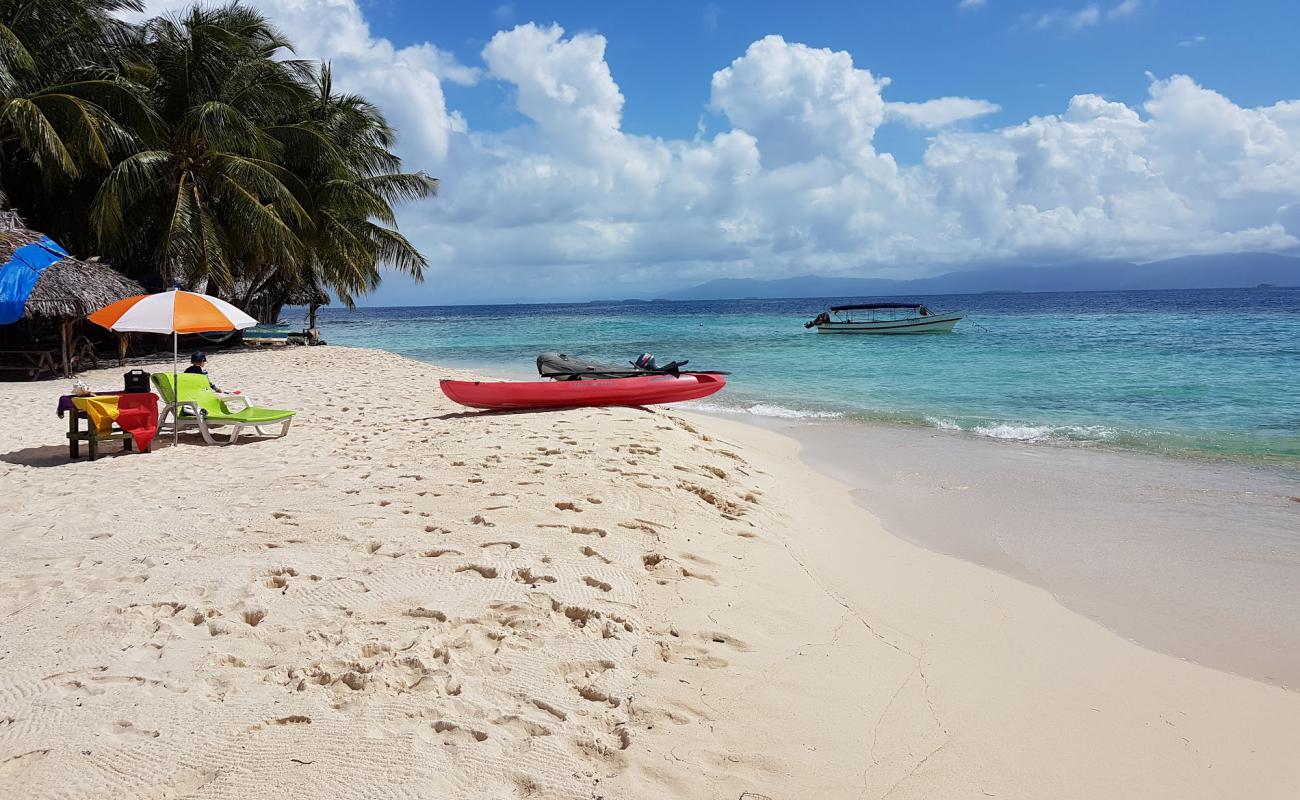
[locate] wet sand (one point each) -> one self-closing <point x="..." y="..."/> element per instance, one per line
<point x="1197" y="559"/>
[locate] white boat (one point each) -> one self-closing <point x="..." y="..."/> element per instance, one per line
<point x="885" y="318"/>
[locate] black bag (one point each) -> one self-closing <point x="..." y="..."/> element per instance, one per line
<point x="136" y="381"/>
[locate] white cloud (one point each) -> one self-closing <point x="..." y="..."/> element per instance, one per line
<point x="710" y="16"/>
<point x="941" y="112"/>
<point x="801" y="102"/>
<point x="967" y="5"/>
<point x="795" y="182"/>
<point x="1125" y="8"/>
<point x="564" y="85"/>
<point x="1085" y="17"/>
<point x="1192" y="41"/>
<point x="1088" y="16"/>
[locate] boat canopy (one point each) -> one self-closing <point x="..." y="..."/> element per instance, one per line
<point x="867" y="306"/>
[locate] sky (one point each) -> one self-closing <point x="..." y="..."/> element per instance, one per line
<point x="608" y="150"/>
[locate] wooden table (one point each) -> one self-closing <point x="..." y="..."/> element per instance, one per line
<point x="90" y="435"/>
<point x="36" y="363"/>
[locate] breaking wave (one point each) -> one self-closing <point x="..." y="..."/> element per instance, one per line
<point x="1024" y="432"/>
<point x="766" y="410"/>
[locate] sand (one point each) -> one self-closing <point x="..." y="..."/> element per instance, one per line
<point x="1198" y="559"/>
<point x="405" y="599"/>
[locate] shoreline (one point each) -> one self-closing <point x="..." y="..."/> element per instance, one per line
<point x="1224" y="619"/>
<point x="1036" y="435"/>
<point x="1194" y="559"/>
<point x="998" y="433"/>
<point x="596" y="602"/>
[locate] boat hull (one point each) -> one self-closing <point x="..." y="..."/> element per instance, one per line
<point x="518" y="395"/>
<point x="936" y="323"/>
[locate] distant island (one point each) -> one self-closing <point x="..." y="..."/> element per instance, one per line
<point x="1234" y="271"/>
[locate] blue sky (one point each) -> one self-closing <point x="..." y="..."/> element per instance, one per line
<point x="598" y="149"/>
<point x="663" y="53"/>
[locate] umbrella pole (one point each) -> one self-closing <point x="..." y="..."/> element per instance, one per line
<point x="176" y="396"/>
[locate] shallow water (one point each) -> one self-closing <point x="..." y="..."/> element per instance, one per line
<point x="1196" y="559"/>
<point x="1192" y="373"/>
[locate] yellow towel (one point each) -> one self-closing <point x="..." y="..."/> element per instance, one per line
<point x="102" y="410"/>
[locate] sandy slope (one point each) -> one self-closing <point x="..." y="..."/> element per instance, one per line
<point x="403" y="600"/>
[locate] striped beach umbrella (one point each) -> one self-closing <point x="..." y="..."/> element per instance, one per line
<point x="173" y="312"/>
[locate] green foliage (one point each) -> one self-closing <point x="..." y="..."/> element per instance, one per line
<point x="191" y="149"/>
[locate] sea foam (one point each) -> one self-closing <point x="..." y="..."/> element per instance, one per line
<point x="1039" y="433"/>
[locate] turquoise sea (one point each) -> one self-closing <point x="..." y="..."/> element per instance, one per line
<point x="1195" y="373"/>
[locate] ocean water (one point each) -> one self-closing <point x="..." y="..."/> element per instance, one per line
<point x="1196" y="373"/>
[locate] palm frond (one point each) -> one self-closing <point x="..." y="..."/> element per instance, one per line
<point x="395" y="251"/>
<point x="401" y="186"/>
<point x="257" y="179"/>
<point x="138" y="179"/>
<point x="219" y="126"/>
<point x="23" y="120"/>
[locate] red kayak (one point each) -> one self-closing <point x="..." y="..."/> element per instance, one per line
<point x="638" y="391"/>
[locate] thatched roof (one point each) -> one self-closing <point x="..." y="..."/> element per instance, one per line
<point x="69" y="287"/>
<point x="299" y="294"/>
<point x="308" y="294"/>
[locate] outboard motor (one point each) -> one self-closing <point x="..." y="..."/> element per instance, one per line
<point x="821" y="319"/>
<point x="646" y="362"/>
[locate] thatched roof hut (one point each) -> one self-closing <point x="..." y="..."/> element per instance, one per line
<point x="68" y="289"/>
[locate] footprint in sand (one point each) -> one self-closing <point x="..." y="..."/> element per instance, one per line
<point x="278" y="578"/>
<point x="521" y="726"/>
<point x="591" y="552"/>
<point x="126" y="729"/>
<point x="453" y="734"/>
<point x="597" y="584"/>
<point x="525" y="575"/>
<point x="483" y="572"/>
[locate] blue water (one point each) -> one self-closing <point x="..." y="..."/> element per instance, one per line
<point x="1193" y="373"/>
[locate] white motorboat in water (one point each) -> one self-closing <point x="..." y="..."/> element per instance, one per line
<point x="889" y="318"/>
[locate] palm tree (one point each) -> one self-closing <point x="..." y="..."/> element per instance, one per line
<point x="350" y="181"/>
<point x="353" y="229"/>
<point x="202" y="155"/>
<point x="211" y="196"/>
<point x="61" y="101"/>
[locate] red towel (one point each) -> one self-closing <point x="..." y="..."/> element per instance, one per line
<point x="137" y="414"/>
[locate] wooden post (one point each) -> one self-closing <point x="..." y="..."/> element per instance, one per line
<point x="65" y="329"/>
<point x="73" y="430"/>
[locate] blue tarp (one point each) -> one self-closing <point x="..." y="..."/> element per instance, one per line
<point x="19" y="275"/>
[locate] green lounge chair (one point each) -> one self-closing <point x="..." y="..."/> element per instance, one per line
<point x="202" y="408"/>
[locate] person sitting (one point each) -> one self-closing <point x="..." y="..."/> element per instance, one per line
<point x="199" y="366"/>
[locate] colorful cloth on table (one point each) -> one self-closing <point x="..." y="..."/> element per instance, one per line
<point x="65" y="402"/>
<point x="137" y="414"/>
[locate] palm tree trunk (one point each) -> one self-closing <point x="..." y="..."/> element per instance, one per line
<point x="313" y="335"/>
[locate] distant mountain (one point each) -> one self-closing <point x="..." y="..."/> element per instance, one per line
<point x="1239" y="270"/>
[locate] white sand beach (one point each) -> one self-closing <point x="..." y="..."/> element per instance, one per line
<point x="404" y="598"/>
